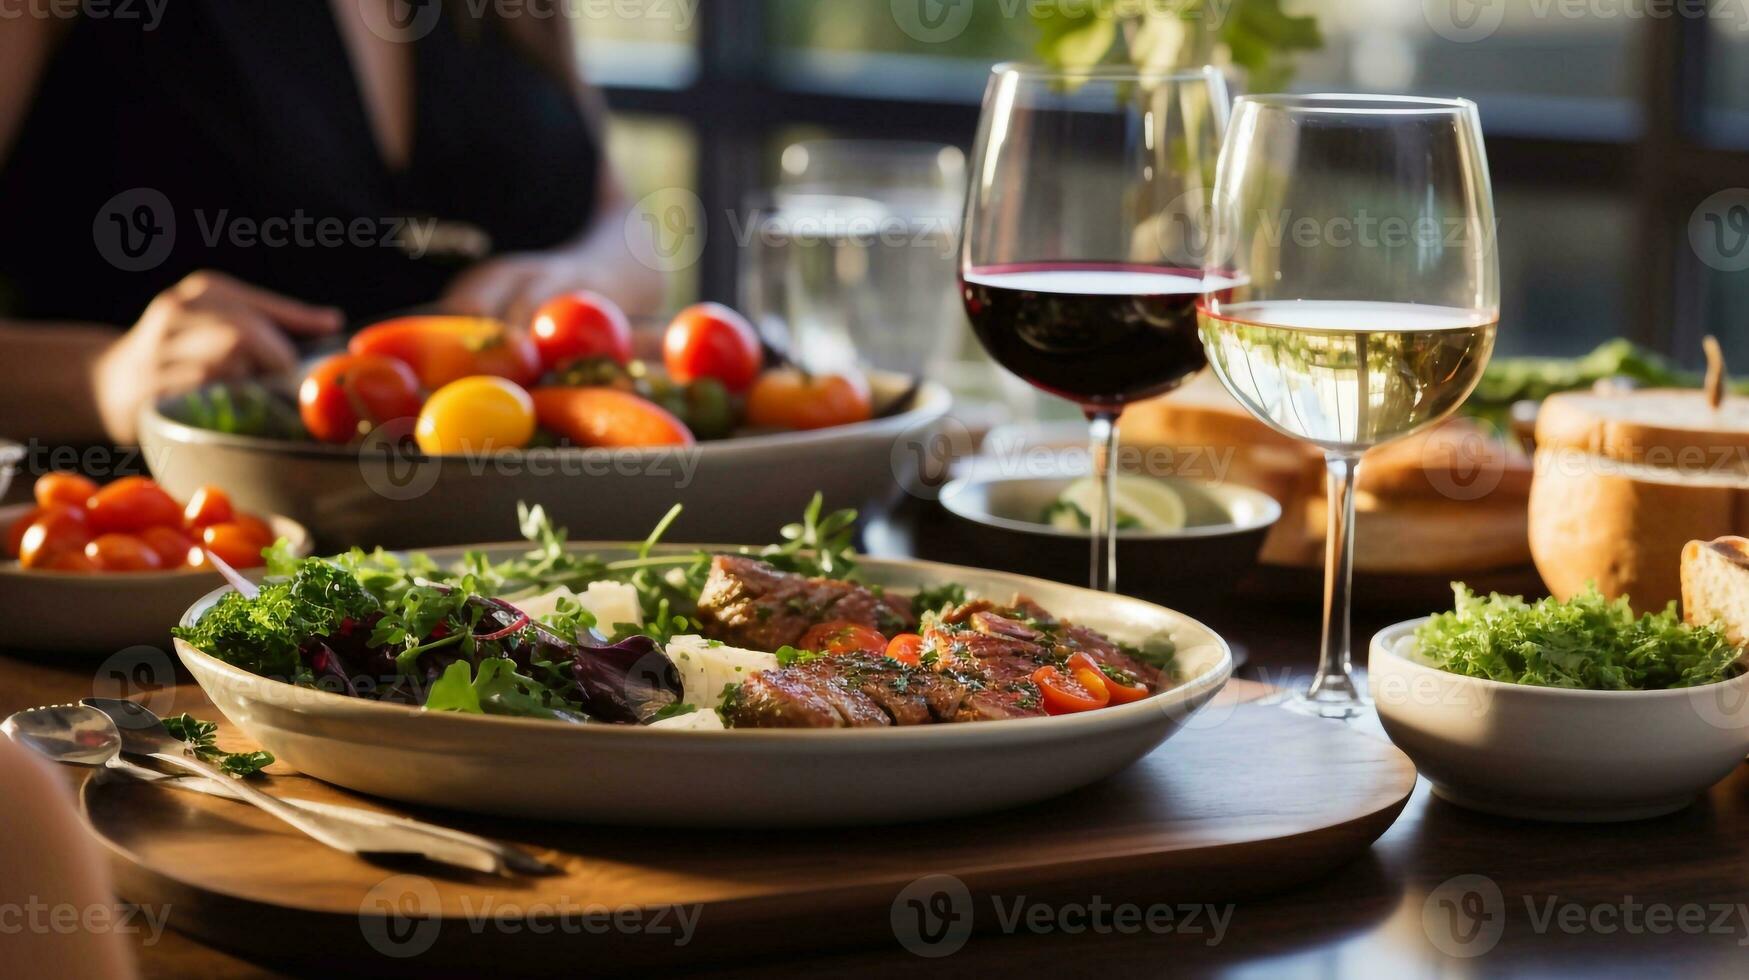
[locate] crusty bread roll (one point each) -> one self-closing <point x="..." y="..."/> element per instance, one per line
<point x="1624" y="481"/>
<point x="1715" y="585"/>
<point x="1447" y="501"/>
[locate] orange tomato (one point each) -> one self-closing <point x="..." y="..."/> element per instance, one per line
<point x="608" y="417"/>
<point x="906" y="648"/>
<point x="122" y="553"/>
<point x="441" y="349"/>
<point x="786" y="398"/>
<point x="171" y="545"/>
<point x="712" y="341"/>
<point x="58" y="530"/>
<point x="348" y="394"/>
<point x="15" y="533"/>
<point x="840" y="636"/>
<point x="209" y="505"/>
<point x="238" y="545"/>
<point x="75" y="562"/>
<point x="63" y="488"/>
<point x="258" y="529"/>
<point x="132" y="503"/>
<point x="1062" y="694"/>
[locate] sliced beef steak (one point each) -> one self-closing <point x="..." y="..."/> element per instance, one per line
<point x="849" y="690"/>
<point x="748" y="603"/>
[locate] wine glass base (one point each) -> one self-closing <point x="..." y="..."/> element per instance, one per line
<point x="1337" y="705"/>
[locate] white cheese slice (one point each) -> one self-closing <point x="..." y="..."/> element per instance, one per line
<point x="707" y="668"/>
<point x="702" y="720"/>
<point x="611" y="603"/>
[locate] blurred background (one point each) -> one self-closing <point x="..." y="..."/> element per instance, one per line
<point x="1613" y="126"/>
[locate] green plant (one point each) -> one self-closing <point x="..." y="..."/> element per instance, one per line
<point x="1257" y="35"/>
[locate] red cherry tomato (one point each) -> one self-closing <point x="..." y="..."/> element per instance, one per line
<point x="1122" y="687"/>
<point x="712" y="341"/>
<point x="906" y="648"/>
<point x="840" y="636"/>
<point x="75" y="562"/>
<point x="259" y="529"/>
<point x="209" y="505"/>
<point x="239" y="545"/>
<point x="122" y="553"/>
<point x="132" y="503"/>
<point x="579" y="325"/>
<point x="57" y="530"/>
<point x="441" y="349"/>
<point x="15" y="533"/>
<point x="63" y="488"/>
<point x="169" y="544"/>
<point x="348" y="394"/>
<point x="787" y="399"/>
<point x="1066" y="693"/>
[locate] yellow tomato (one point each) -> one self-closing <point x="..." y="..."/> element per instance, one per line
<point x="475" y="415"/>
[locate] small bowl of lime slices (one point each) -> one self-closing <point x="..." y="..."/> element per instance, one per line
<point x="1180" y="539"/>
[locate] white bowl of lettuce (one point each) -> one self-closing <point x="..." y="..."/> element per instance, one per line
<point x="1574" y="711"/>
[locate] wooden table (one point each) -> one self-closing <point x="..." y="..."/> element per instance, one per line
<point x="1571" y="899"/>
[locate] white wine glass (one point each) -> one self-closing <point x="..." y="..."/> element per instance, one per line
<point x="1359" y="232"/>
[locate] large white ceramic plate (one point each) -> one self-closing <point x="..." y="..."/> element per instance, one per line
<point x="768" y="778"/>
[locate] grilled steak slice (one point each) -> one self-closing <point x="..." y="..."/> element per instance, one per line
<point x="749" y="604"/>
<point x="1025" y="619"/>
<point x="849" y="690"/>
<point x="1003" y="665"/>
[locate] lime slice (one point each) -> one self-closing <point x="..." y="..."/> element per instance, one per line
<point x="1152" y="505"/>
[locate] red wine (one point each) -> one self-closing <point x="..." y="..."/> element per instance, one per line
<point x="1099" y="334"/>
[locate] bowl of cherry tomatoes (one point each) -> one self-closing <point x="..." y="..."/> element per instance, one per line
<point x="120" y="561"/>
<point x="429" y="430"/>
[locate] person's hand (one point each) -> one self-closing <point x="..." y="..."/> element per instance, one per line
<point x="512" y="287"/>
<point x="208" y="327"/>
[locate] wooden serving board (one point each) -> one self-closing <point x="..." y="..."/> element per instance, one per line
<point x="1249" y="800"/>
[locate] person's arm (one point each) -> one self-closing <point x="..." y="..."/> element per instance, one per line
<point x="601" y="258"/>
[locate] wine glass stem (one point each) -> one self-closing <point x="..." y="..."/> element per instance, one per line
<point x="1335" y="681"/>
<point x="1103" y="532"/>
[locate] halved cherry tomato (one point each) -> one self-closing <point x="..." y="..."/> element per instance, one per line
<point x="57" y="530"/>
<point x="170" y="544"/>
<point x="209" y="505"/>
<point x="786" y="398"/>
<point x="132" y="503"/>
<point x="608" y="417"/>
<point x="63" y="488"/>
<point x="578" y="325"/>
<point x="475" y="415"/>
<point x="348" y="394"/>
<point x="122" y="553"/>
<point x="1063" y="694"/>
<point x="840" y="636"/>
<point x="239" y="546"/>
<point x="441" y="349"/>
<point x="712" y="341"/>
<point x="1122" y="687"/>
<point x="906" y="648"/>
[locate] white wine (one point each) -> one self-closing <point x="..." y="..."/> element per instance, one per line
<point x="1348" y="375"/>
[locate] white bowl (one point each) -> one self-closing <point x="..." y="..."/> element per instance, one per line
<point x="739" y="777"/>
<point x="1545" y="753"/>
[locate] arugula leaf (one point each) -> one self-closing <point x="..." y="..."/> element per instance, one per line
<point x="496" y="688"/>
<point x="201" y="737"/>
<point x="937" y="597"/>
<point x="1587" y="642"/>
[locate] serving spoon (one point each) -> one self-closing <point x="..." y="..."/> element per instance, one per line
<point x="97" y="731"/>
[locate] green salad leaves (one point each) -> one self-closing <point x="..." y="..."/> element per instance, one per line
<point x="1587" y="642"/>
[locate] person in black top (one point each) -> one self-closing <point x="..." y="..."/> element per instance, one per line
<point x="223" y="180"/>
